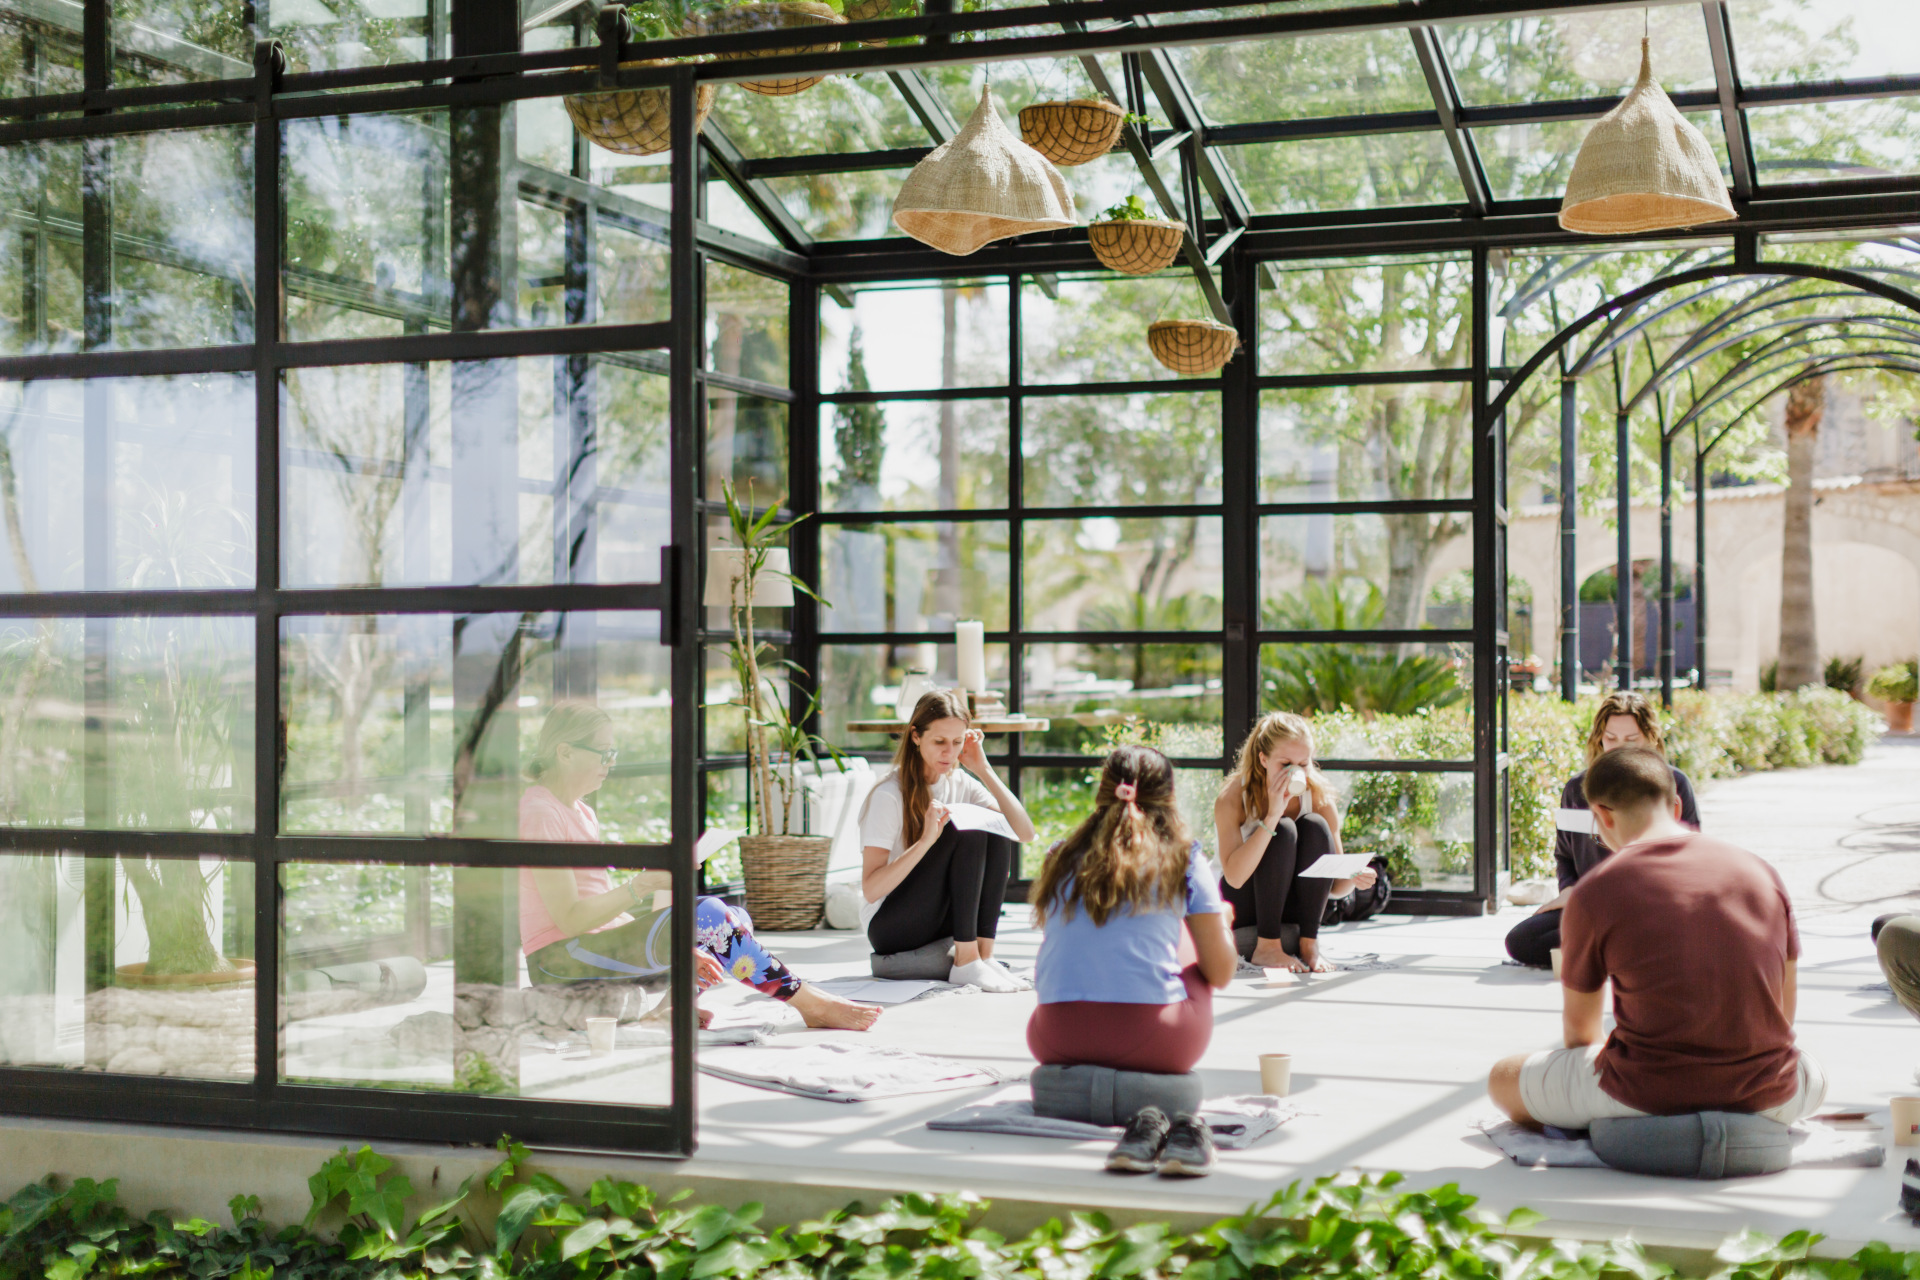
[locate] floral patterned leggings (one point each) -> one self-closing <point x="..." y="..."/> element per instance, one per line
<point x="641" y="948"/>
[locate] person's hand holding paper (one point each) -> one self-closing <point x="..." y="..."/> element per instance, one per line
<point x="977" y="817"/>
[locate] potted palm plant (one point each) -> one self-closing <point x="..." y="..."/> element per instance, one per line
<point x="1899" y="687"/>
<point x="784" y="868"/>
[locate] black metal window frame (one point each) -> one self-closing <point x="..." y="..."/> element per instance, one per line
<point x="487" y="69"/>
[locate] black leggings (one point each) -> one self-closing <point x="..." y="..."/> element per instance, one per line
<point x="955" y="891"/>
<point x="1532" y="941"/>
<point x="1276" y="893"/>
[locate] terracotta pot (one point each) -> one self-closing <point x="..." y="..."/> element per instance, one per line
<point x="1899" y="717"/>
<point x="135" y="975"/>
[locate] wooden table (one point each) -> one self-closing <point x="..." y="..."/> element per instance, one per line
<point x="893" y="727"/>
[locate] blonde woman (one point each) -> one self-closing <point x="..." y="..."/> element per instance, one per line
<point x="1274" y="818"/>
<point x="923" y="878"/>
<point x="576" y="926"/>
<point x="1623" y="719"/>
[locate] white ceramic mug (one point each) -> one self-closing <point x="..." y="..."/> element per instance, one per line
<point x="1906" y="1121"/>
<point x="1276" y="1074"/>
<point x="600" y="1036"/>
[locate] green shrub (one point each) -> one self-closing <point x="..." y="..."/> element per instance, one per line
<point x="1897" y="683"/>
<point x="1845" y="674"/>
<point x="1362" y="1229"/>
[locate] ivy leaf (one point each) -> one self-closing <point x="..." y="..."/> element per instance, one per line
<point x="1522" y="1218"/>
<point x="589" y="1235"/>
<point x="517" y="1212"/>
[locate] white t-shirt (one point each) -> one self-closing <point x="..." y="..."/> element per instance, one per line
<point x="883" y="821"/>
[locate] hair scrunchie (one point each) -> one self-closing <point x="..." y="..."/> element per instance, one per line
<point x="1126" y="791"/>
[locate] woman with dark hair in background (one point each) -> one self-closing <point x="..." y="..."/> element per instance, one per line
<point x="1623" y="719"/>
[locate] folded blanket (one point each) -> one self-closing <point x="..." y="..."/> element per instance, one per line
<point x="1237" y="1123"/>
<point x="837" y="1071"/>
<point x="1815" y="1145"/>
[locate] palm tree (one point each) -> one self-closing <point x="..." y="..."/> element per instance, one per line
<point x="1799" y="647"/>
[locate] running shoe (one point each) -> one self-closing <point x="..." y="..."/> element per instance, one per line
<point x="1189" y="1150"/>
<point x="1138" y="1150"/>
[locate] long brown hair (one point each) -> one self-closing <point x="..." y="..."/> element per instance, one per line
<point x="1129" y="853"/>
<point x="908" y="765"/>
<point x="1624" y="702"/>
<point x="1273" y="729"/>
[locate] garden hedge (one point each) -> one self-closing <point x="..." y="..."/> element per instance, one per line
<point x="1366" y="1229"/>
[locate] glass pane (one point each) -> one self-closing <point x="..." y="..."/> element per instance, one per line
<point x="1421" y="823"/>
<point x="1836" y="140"/>
<point x="918" y="338"/>
<point x="1059" y="799"/>
<point x="133" y="965"/>
<point x="1119" y="451"/>
<point x="726" y="806"/>
<point x="1327" y="75"/>
<point x="874" y="456"/>
<point x="1166" y="695"/>
<point x="1092" y="331"/>
<point x="432" y="723"/>
<point x="1393" y="572"/>
<point x="842" y="206"/>
<point x="1532" y="161"/>
<point x="128" y="723"/>
<point x="181" y="216"/>
<point x="38" y="56"/>
<point x="746" y="322"/>
<point x="1778" y="41"/>
<point x="1382" y="171"/>
<point x="1371" y="700"/>
<point x="1575" y="55"/>
<point x="726" y="721"/>
<point x="862" y="682"/>
<point x="1396" y="441"/>
<point x="173" y="42"/>
<point x="542" y="469"/>
<point x="1389" y="314"/>
<point x="127" y="483"/>
<point x="840" y="114"/>
<point x="746" y="446"/>
<point x="1124" y="574"/>
<point x="416" y="978"/>
<point x="914" y="577"/>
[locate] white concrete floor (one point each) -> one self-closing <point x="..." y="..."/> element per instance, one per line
<point x="1395" y="1060"/>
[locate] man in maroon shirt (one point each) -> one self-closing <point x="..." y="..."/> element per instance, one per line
<point x="1699" y="942"/>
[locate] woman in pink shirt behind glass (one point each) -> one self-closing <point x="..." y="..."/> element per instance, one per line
<point x="576" y="926"/>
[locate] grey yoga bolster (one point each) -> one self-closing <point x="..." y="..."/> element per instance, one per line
<point x="931" y="963"/>
<point x="1102" y="1095"/>
<point x="1703" y="1144"/>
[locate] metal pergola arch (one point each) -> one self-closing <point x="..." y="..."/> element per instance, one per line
<point x="484" y="68"/>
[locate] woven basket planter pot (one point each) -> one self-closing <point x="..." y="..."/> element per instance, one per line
<point x="770" y="17"/>
<point x="633" y="122"/>
<point x="868" y="10"/>
<point x="1136" y="246"/>
<point x="1071" y="133"/>
<point x="1191" y="346"/>
<point x="786" y="879"/>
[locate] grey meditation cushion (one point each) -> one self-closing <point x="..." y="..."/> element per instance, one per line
<point x="1102" y="1095"/>
<point x="1705" y="1144"/>
<point x="1246" y="937"/>
<point x="931" y="963"/>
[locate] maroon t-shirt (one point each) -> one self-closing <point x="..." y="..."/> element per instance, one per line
<point x="1696" y="935"/>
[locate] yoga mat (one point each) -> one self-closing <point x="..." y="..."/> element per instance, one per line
<point x="838" y="1071"/>
<point x="1237" y="1123"/>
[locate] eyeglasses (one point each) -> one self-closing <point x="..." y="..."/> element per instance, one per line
<point x="607" y="754"/>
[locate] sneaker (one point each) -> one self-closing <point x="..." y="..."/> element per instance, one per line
<point x="1909" y="1190"/>
<point x="1138" y="1150"/>
<point x="1189" y="1150"/>
<point x="986" y="975"/>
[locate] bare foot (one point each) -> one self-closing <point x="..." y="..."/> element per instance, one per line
<point x="1310" y="953"/>
<point x="822" y="1010"/>
<point x="1269" y="954"/>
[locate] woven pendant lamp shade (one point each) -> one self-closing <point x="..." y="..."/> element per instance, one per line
<point x="982" y="185"/>
<point x="1644" y="168"/>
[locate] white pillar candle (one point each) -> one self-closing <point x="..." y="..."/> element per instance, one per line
<point x="970" y="639"/>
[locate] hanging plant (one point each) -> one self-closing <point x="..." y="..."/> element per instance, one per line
<point x="1127" y="239"/>
<point x="773" y="15"/>
<point x="1073" y="132"/>
<point x="879" y="10"/>
<point x="634" y="122"/>
<point x="1192" y="346"/>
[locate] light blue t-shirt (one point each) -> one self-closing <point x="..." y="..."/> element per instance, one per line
<point x="1131" y="959"/>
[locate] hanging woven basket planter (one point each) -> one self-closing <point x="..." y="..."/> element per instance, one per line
<point x="1192" y="346"/>
<point x="982" y="185"/>
<point x="1136" y="246"/>
<point x="869" y="10"/>
<point x="772" y="16"/>
<point x="1071" y="133"/>
<point x="633" y="122"/>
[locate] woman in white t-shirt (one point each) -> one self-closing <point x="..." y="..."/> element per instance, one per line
<point x="924" y="878"/>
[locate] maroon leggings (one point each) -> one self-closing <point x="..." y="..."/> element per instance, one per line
<point x="1163" y="1039"/>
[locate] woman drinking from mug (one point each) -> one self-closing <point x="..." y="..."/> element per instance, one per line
<point x="923" y="878"/>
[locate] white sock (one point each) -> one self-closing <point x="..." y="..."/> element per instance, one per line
<point x="985" y="975"/>
<point x="1025" y="984"/>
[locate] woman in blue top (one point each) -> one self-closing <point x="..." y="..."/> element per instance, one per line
<point x="1135" y="940"/>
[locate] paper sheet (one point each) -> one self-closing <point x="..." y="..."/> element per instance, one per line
<point x="977" y="817"/>
<point x="713" y="841"/>
<point x="1578" y="821"/>
<point x="1338" y="866"/>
